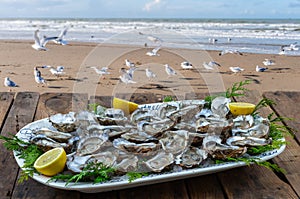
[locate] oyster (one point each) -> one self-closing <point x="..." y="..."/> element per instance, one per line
<point x="174" y="142"/>
<point x="143" y="114"/>
<point x="112" y="116"/>
<point x="212" y="144"/>
<point x="249" y="127"/>
<point x="247" y="141"/>
<point x="138" y="136"/>
<point x="91" y="144"/>
<point x="132" y="147"/>
<point x="193" y="156"/>
<point x="126" y="163"/>
<point x="64" y="122"/>
<point x="219" y="106"/>
<point x="46" y="143"/>
<point x="76" y="163"/>
<point x="212" y="125"/>
<point x="166" y="109"/>
<point x="160" y="161"/>
<point x="56" y="135"/>
<point x="108" y="158"/>
<point x="156" y="128"/>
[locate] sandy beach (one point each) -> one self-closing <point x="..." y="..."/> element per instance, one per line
<point x="18" y="60"/>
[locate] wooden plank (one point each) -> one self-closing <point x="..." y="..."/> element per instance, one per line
<point x="139" y="98"/>
<point x="52" y="103"/>
<point x="289" y="159"/>
<point x="21" y="113"/>
<point x="6" y="99"/>
<point x="206" y="186"/>
<point x="104" y="195"/>
<point x="254" y="182"/>
<point x="287" y="106"/>
<point x="170" y="190"/>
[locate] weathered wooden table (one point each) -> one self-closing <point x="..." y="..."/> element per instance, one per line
<point x="19" y="109"/>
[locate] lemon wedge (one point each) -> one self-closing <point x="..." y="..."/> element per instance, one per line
<point x="241" y="108"/>
<point x="126" y="106"/>
<point x="51" y="162"/>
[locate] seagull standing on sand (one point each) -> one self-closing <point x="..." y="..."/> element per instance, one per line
<point x="129" y="64"/>
<point x="260" y="69"/>
<point x="102" y="71"/>
<point x="154" y="51"/>
<point x="268" y="62"/>
<point x="169" y="70"/>
<point x="9" y="83"/>
<point x="223" y="52"/>
<point x="150" y="74"/>
<point x="36" y="71"/>
<point x="40" y="43"/>
<point x="186" y="65"/>
<point x="58" y="71"/>
<point x="236" y="69"/>
<point x="210" y="65"/>
<point x="127" y="75"/>
<point x="60" y="39"/>
<point x="39" y="79"/>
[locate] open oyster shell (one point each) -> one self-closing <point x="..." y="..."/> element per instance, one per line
<point x="64" y="122"/>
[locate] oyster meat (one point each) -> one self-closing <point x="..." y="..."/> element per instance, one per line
<point x="64" y="122"/>
<point x="160" y="161"/>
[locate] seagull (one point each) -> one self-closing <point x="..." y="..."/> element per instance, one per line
<point x="186" y="65"/>
<point x="260" y="69"/>
<point x="127" y="79"/>
<point x="36" y="71"/>
<point x="268" y="62"/>
<point x="150" y="74"/>
<point x="236" y="69"/>
<point x="60" y="39"/>
<point x="39" y="80"/>
<point x="39" y="44"/>
<point x="210" y="65"/>
<point x="58" y="71"/>
<point x="129" y="64"/>
<point x="102" y="71"/>
<point x="223" y="52"/>
<point x="152" y="38"/>
<point x="291" y="47"/>
<point x="154" y="51"/>
<point x="169" y="70"/>
<point x="212" y="40"/>
<point x="9" y="83"/>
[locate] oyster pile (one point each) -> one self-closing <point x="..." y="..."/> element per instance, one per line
<point x="171" y="135"/>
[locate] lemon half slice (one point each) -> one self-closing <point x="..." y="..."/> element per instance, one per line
<point x="241" y="108"/>
<point x="52" y="162"/>
<point x="126" y="106"/>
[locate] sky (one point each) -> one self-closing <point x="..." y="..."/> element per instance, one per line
<point x="150" y="9"/>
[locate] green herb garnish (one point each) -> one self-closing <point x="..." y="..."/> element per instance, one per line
<point x="135" y="175"/>
<point x="237" y="89"/>
<point x="96" y="172"/>
<point x="168" y="99"/>
<point x="28" y="152"/>
<point x="265" y="102"/>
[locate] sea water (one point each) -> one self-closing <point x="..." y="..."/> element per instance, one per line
<point x="245" y="35"/>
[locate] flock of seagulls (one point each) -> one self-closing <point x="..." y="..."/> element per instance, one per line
<point x="40" y="45"/>
<point x="127" y="74"/>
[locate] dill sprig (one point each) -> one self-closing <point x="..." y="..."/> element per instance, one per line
<point x="250" y="161"/>
<point x="135" y="175"/>
<point x="27" y="151"/>
<point x="265" y="102"/>
<point x="96" y="172"/>
<point x="237" y="89"/>
<point x="169" y="98"/>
